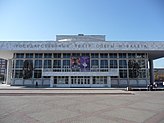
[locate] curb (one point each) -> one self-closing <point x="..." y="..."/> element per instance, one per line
<point x="60" y="94"/>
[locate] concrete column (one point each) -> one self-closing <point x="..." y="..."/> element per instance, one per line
<point x="151" y="70"/>
<point x="9" y="72"/>
<point x="69" y="81"/>
<point x="51" y="81"/>
<point x="109" y="81"/>
<point x="91" y="80"/>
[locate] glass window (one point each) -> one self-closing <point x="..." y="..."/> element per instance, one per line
<point x="37" y="74"/>
<point x="133" y="73"/>
<point x="20" y="55"/>
<point x="142" y="74"/>
<point x="141" y="55"/>
<point x="66" y="63"/>
<point x="85" y="54"/>
<point x="141" y="63"/>
<point x="19" y="63"/>
<point x="76" y="54"/>
<point x="48" y="55"/>
<point x="94" y="55"/>
<point x="113" y="64"/>
<point x="95" y="64"/>
<point x="55" y="79"/>
<point x="47" y="63"/>
<point x="18" y="74"/>
<point x="66" y="55"/>
<point x="103" y="55"/>
<point x="57" y="55"/>
<point x="46" y="77"/>
<point x="2" y="71"/>
<point x="3" y="66"/>
<point x="131" y="55"/>
<point x="123" y="73"/>
<point x="3" y="61"/>
<point x="112" y="55"/>
<point x="122" y="55"/>
<point x="104" y="64"/>
<point x="57" y="64"/>
<point x="122" y="64"/>
<point x="38" y="63"/>
<point x="38" y="55"/>
<point x="99" y="80"/>
<point x="29" y="55"/>
<point x="2" y="77"/>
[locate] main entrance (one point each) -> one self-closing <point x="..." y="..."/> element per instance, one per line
<point x="80" y="80"/>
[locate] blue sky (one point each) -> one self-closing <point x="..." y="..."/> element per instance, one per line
<point x="124" y="20"/>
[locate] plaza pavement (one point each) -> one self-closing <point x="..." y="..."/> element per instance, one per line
<point x="135" y="107"/>
<point x="7" y="90"/>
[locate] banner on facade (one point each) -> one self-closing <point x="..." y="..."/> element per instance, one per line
<point x="82" y="63"/>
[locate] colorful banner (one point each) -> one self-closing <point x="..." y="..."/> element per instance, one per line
<point x="85" y="63"/>
<point x="82" y="63"/>
<point x="75" y="62"/>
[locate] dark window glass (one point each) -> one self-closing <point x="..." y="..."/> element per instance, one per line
<point x="57" y="55"/>
<point x="75" y="54"/>
<point x="104" y="64"/>
<point x="20" y="55"/>
<point x="85" y="54"/>
<point x="94" y="63"/>
<point x="38" y="63"/>
<point x="29" y="55"/>
<point x="38" y="55"/>
<point x="103" y="55"/>
<point x="94" y="55"/>
<point x="122" y="64"/>
<point x="112" y="55"/>
<point x="141" y="55"/>
<point x="66" y="63"/>
<point x="55" y="79"/>
<point x="19" y="63"/>
<point x="2" y="71"/>
<point x="48" y="55"/>
<point x="18" y="73"/>
<point x="142" y="74"/>
<point x="113" y="64"/>
<point x="66" y="55"/>
<point x="47" y="63"/>
<point x="123" y="73"/>
<point x="37" y="74"/>
<point x="131" y="55"/>
<point x="57" y="64"/>
<point x="2" y="77"/>
<point x="122" y="55"/>
<point x="142" y="63"/>
<point x="46" y="77"/>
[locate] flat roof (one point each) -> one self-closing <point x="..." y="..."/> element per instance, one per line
<point x="84" y="43"/>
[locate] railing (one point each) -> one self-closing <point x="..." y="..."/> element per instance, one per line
<point x="80" y="70"/>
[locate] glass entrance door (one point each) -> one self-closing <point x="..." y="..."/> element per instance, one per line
<point x="80" y="80"/>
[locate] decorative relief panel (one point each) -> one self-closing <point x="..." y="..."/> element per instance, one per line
<point x="106" y="45"/>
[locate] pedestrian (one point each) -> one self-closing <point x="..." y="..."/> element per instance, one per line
<point x="36" y="84"/>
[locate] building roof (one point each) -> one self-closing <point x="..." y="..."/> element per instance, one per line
<point x="85" y="43"/>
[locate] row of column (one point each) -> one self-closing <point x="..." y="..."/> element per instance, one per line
<point x="69" y="81"/>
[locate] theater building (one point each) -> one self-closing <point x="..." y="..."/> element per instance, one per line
<point x="80" y="61"/>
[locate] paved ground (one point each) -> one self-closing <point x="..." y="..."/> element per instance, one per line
<point x="140" y="107"/>
<point x="6" y="90"/>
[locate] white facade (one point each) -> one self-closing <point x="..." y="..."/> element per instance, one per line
<point x="110" y="63"/>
